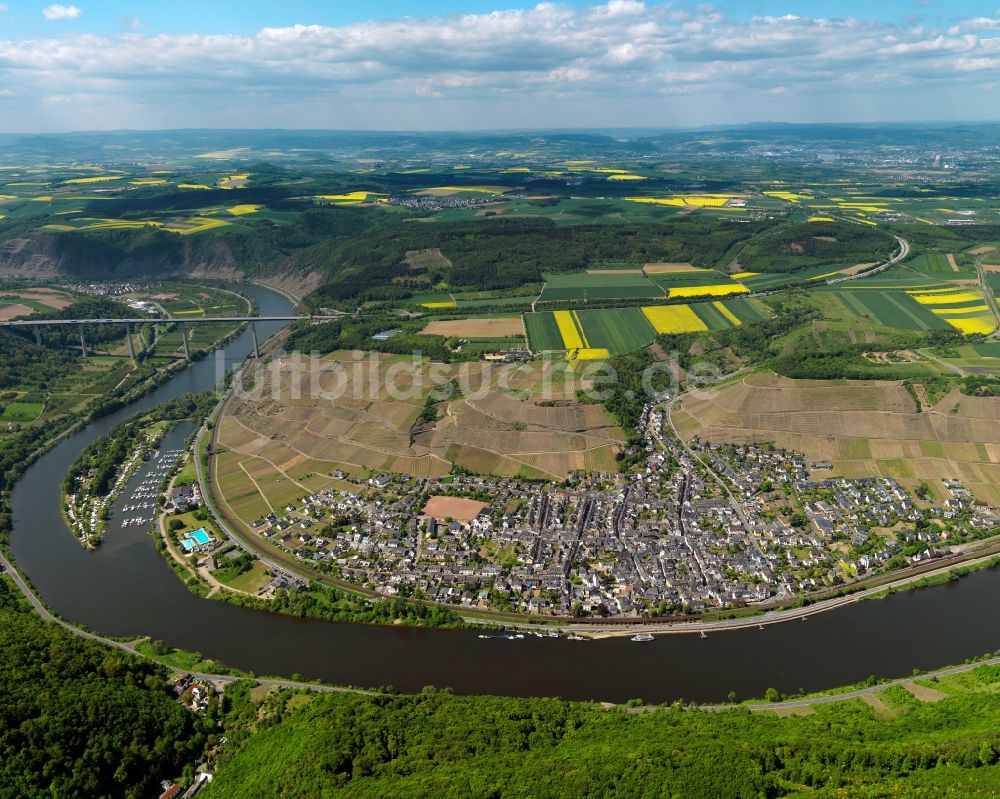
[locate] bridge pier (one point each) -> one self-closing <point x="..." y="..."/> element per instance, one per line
<point x="83" y="344"/>
<point x="131" y="344"/>
<point x="184" y="338"/>
<point x="256" y="346"/>
<point x="38" y="335"/>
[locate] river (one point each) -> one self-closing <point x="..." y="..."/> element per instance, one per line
<point x="126" y="589"/>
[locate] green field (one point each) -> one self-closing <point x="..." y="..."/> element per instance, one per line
<point x="899" y="278"/>
<point x="623" y="330"/>
<point x="771" y="281"/>
<point x="21" y="411"/>
<point x="618" y="330"/>
<point x="747" y="311"/>
<point x="28" y="302"/>
<point x="439" y="296"/>
<point x="707" y="277"/>
<point x="512" y="302"/>
<point x="543" y="332"/>
<point x="711" y="316"/>
<point x="987" y="349"/>
<point x="930" y="262"/>
<point x="584" y="286"/>
<point x="893" y="309"/>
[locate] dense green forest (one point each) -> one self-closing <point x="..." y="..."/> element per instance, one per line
<point x="507" y="253"/>
<point x="80" y="719"/>
<point x="439" y="745"/>
<point x="793" y="247"/>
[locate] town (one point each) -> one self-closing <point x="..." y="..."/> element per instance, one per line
<point x="698" y="527"/>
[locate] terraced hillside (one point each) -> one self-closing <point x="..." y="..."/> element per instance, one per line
<point x="862" y="428"/>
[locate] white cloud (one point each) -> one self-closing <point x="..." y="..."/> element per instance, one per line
<point x="57" y="12"/>
<point x="512" y="68"/>
<point x="132" y="24"/>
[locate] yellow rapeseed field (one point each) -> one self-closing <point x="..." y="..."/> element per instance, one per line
<point x="708" y="291"/>
<point x="681" y="200"/>
<point x="588" y="354"/>
<point x="197" y="225"/>
<point x="433" y="305"/>
<point x="788" y="196"/>
<point x="104" y="224"/>
<point x="984" y="324"/>
<point x="741" y="275"/>
<point x="963" y="310"/>
<point x="240" y="210"/>
<point x="568" y="328"/>
<point x="96" y="179"/>
<point x="722" y="309"/>
<point x="349" y="197"/>
<point x="940" y="298"/>
<point x="625" y="176"/>
<point x="674" y="319"/>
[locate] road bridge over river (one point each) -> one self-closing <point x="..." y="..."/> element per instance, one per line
<point x="130" y="323"/>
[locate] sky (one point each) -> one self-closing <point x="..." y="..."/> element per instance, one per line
<point x="493" y="64"/>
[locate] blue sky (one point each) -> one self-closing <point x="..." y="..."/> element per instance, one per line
<point x="462" y="64"/>
<point x="233" y="16"/>
<point x="24" y="19"/>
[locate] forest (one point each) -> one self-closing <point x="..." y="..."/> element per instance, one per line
<point x="805" y="245"/>
<point x="507" y="253"/>
<point x="439" y="745"/>
<point x="80" y="719"/>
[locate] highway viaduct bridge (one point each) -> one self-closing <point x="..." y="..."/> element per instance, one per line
<point x="129" y="325"/>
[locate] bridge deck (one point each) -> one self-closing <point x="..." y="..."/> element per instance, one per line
<point x="151" y="319"/>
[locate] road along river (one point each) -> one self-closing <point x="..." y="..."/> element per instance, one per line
<point x="125" y="589"/>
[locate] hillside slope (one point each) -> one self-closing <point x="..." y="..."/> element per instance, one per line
<point x="441" y="745"/>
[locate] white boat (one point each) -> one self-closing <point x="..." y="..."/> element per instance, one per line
<point x="642" y="637"/>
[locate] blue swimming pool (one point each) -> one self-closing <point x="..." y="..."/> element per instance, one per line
<point x="200" y="536"/>
<point x="195" y="538"/>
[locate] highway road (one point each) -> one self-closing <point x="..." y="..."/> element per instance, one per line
<point x="990" y="295"/>
<point x="904" y="250"/>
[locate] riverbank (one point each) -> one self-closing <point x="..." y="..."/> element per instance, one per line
<point x="126" y="590"/>
<point x="195" y="664"/>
